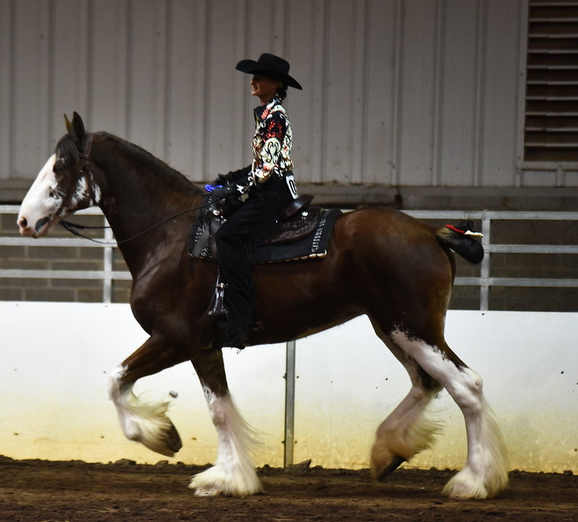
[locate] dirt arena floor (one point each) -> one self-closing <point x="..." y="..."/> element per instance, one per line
<point x="42" y="491"/>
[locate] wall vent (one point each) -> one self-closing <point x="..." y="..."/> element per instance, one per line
<point x="551" y="123"/>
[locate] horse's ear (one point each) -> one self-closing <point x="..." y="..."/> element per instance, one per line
<point x="68" y="124"/>
<point x="78" y="126"/>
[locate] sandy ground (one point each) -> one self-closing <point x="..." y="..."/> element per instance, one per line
<point x="43" y="491"/>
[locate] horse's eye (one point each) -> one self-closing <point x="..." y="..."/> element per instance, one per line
<point x="59" y="166"/>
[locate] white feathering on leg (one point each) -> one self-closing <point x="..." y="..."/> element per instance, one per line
<point x="233" y="474"/>
<point x="142" y="421"/>
<point x="485" y="473"/>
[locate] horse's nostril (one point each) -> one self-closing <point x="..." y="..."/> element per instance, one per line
<point x="22" y="222"/>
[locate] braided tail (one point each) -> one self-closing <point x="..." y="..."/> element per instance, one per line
<point x="461" y="240"/>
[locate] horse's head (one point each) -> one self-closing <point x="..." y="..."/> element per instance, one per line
<point x="64" y="185"/>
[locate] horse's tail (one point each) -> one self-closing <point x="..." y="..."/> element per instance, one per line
<point x="461" y="240"/>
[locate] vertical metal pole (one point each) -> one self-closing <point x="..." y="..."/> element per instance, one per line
<point x="485" y="269"/>
<point x="289" y="403"/>
<point x="107" y="266"/>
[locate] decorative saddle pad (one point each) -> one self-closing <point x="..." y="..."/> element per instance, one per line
<point x="304" y="236"/>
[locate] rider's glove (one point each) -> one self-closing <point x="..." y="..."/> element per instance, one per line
<point x="242" y="186"/>
<point x="227" y="191"/>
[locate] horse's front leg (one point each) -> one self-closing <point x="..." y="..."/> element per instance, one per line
<point x="143" y="420"/>
<point x="233" y="473"/>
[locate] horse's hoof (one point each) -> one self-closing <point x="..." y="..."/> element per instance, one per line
<point x="207" y="492"/>
<point x="167" y="442"/>
<point x="173" y="440"/>
<point x="395" y="463"/>
<point x="218" y="481"/>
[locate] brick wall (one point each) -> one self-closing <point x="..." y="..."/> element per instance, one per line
<point x="33" y="257"/>
<point x="555" y="266"/>
<point x="561" y="266"/>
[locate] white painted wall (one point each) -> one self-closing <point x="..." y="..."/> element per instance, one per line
<point x="55" y="359"/>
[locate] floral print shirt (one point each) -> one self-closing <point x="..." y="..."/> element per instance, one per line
<point x="272" y="142"/>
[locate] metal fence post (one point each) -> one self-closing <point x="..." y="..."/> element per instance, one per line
<point x="289" y="403"/>
<point x="107" y="266"/>
<point x="485" y="268"/>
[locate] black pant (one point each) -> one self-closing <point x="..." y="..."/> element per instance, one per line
<point x="237" y="239"/>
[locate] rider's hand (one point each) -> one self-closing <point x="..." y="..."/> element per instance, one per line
<point x="227" y="191"/>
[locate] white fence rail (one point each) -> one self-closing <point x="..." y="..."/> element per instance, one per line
<point x="107" y="275"/>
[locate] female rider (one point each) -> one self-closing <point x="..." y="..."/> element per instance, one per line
<point x="269" y="184"/>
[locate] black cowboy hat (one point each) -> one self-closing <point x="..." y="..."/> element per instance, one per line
<point x="270" y="66"/>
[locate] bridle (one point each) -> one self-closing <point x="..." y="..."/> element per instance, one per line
<point x="84" y="170"/>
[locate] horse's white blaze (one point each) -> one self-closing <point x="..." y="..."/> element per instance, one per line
<point x="141" y="421"/>
<point x="485" y="473"/>
<point x="233" y="473"/>
<point x="41" y="201"/>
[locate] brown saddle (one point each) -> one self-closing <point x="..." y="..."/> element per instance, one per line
<point x="298" y="220"/>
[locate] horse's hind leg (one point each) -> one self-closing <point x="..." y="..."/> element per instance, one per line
<point x="233" y="473"/>
<point x="142" y="420"/>
<point x="485" y="473"/>
<point x="407" y="430"/>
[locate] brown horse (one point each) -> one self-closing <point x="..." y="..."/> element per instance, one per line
<point x="380" y="262"/>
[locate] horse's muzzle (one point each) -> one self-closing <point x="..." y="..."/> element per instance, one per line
<point x="41" y="227"/>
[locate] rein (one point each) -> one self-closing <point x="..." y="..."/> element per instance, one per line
<point x="74" y="228"/>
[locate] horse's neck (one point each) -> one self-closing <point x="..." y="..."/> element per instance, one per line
<point x="137" y="186"/>
<point x="138" y="193"/>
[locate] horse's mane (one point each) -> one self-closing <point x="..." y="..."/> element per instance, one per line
<point x="169" y="176"/>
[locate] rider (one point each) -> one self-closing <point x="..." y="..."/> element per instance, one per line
<point x="269" y="184"/>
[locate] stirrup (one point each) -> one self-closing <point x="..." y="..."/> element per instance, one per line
<point x="217" y="306"/>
